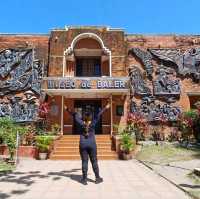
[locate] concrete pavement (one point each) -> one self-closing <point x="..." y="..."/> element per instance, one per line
<point x="60" y="179"/>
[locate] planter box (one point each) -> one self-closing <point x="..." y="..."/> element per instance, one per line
<point x="24" y="151"/>
<point x="197" y="171"/>
<point x="116" y="142"/>
<point x="123" y="156"/>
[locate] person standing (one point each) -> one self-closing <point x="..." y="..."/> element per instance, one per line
<point x="87" y="144"/>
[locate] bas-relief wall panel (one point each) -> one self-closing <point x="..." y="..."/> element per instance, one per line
<point x="20" y="84"/>
<point x="169" y="67"/>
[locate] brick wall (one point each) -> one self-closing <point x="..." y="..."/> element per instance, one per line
<point x="40" y="43"/>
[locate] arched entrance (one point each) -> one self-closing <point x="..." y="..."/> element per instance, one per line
<point x="88" y="58"/>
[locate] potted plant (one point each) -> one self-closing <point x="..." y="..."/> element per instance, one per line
<point x="43" y="143"/>
<point x="8" y="132"/>
<point x="126" y="146"/>
<point x="55" y="129"/>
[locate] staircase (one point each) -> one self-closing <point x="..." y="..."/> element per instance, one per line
<point x="67" y="148"/>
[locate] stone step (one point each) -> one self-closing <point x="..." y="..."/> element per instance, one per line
<point x="77" y="140"/>
<point x="77" y="152"/>
<point x="77" y="157"/>
<point x="77" y="144"/>
<point x="97" y="136"/>
<point x="67" y="148"/>
<point x="58" y="148"/>
<point x="78" y="137"/>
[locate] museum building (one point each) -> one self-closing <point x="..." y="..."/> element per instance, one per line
<point x="86" y="67"/>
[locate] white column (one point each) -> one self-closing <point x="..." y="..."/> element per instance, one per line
<point x="110" y="65"/>
<point x="64" y="65"/>
<point x="111" y="116"/>
<point x="62" y="107"/>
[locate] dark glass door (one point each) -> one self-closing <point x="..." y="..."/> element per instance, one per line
<point x="82" y="106"/>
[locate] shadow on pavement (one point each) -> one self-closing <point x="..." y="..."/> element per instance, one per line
<point x="190" y="186"/>
<point x="30" y="177"/>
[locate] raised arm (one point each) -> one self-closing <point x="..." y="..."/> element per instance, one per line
<point x="100" y="113"/>
<point x="75" y="115"/>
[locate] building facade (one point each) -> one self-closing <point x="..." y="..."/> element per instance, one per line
<point x="84" y="68"/>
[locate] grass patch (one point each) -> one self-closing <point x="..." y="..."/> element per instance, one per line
<point x="163" y="154"/>
<point x="4" y="167"/>
<point x="195" y="179"/>
<point x="195" y="194"/>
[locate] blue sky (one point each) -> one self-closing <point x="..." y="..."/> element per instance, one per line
<point x="135" y="16"/>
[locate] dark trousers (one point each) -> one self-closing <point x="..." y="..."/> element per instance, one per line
<point x="91" y="151"/>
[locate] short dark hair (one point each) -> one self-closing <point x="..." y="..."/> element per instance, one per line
<point x="87" y="116"/>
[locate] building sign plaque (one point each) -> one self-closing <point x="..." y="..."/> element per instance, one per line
<point x="75" y="83"/>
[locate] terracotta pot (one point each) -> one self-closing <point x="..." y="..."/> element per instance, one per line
<point x="42" y="156"/>
<point x="125" y="156"/>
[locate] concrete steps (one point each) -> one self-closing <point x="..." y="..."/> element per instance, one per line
<point x="67" y="148"/>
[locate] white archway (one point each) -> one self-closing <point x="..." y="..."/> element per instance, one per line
<point x="70" y="49"/>
<point x="83" y="36"/>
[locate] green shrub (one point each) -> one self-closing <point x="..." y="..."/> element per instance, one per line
<point x="127" y="143"/>
<point x="55" y="129"/>
<point x="187" y="122"/>
<point x="8" y="133"/>
<point x="43" y="143"/>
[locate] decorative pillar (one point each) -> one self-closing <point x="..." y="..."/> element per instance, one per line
<point x="62" y="107"/>
<point x="111" y="117"/>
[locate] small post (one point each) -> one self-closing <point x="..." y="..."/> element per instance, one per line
<point x="17" y="145"/>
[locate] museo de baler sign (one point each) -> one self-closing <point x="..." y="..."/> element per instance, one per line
<point x="83" y="83"/>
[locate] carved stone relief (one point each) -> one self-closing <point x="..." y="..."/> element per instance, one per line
<point x="137" y="84"/>
<point x="188" y="63"/>
<point x="20" y="109"/>
<point x="164" y="86"/>
<point x="145" y="57"/>
<point x="20" y="82"/>
<point x="156" y="112"/>
<point x="164" y="82"/>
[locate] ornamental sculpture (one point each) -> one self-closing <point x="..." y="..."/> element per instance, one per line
<point x="187" y="63"/>
<point x="19" y="109"/>
<point x="156" y="112"/>
<point x="8" y="59"/>
<point x="145" y="57"/>
<point x="20" y="84"/>
<point x="164" y="86"/>
<point x="137" y="84"/>
<point x="19" y="72"/>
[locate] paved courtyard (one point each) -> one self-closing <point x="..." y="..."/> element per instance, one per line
<point x="60" y="180"/>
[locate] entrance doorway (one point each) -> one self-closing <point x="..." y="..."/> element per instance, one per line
<point x="82" y="106"/>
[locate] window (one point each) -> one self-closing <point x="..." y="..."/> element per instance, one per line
<point x="119" y="110"/>
<point x="88" y="67"/>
